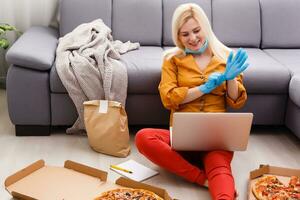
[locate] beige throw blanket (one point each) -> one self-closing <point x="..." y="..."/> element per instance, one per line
<point x="87" y="62"/>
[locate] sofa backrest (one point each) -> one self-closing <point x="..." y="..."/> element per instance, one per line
<point x="76" y="12"/>
<point x="168" y="8"/>
<point x="249" y="23"/>
<point x="236" y="22"/>
<point x="280" y="23"/>
<point x="137" y="21"/>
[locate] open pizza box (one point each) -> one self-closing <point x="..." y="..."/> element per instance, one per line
<point x="74" y="181"/>
<point x="283" y="174"/>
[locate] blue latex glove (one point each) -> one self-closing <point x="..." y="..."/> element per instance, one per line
<point x="214" y="80"/>
<point x="236" y="65"/>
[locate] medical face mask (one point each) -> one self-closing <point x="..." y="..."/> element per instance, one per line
<point x="199" y="51"/>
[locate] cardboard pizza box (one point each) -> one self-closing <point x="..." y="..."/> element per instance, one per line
<point x="74" y="181"/>
<point x="283" y="174"/>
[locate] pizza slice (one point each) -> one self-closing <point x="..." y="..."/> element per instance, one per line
<point x="269" y="188"/>
<point x="279" y="195"/>
<point x="294" y="188"/>
<point x="295" y="183"/>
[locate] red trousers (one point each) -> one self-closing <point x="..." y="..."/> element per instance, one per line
<point x="193" y="166"/>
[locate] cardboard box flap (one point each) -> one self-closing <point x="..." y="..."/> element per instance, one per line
<point x="21" y="196"/>
<point x="284" y="171"/>
<point x="264" y="169"/>
<point x="86" y="170"/>
<point x="24" y="172"/>
<point x="133" y="184"/>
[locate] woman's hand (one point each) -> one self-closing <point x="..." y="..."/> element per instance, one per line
<point x="236" y="65"/>
<point x="214" y="80"/>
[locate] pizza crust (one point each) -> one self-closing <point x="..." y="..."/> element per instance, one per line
<point x="128" y="194"/>
<point x="255" y="190"/>
<point x="256" y="195"/>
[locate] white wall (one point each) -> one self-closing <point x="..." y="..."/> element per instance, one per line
<point x="24" y="14"/>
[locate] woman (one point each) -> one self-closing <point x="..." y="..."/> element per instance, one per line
<point x="196" y="78"/>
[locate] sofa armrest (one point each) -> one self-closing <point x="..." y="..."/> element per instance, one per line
<point x="294" y="89"/>
<point x="35" y="49"/>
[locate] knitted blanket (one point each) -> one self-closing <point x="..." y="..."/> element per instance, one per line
<point x="87" y="62"/>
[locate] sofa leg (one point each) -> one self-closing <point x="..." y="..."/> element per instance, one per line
<point x="32" y="130"/>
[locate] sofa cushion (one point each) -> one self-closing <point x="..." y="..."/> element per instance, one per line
<point x="237" y="23"/>
<point x="280" y="23"/>
<point x="168" y="8"/>
<point x="76" y="12"/>
<point x="294" y="89"/>
<point x="143" y="68"/>
<point x="290" y="58"/>
<point x="137" y="21"/>
<point x="264" y="75"/>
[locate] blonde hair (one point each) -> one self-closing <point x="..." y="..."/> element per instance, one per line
<point x="181" y="15"/>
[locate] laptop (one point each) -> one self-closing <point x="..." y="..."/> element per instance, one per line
<point x="193" y="131"/>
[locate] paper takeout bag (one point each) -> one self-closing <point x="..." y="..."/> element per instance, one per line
<point x="107" y="127"/>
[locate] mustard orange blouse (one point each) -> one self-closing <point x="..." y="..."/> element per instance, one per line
<point x="180" y="74"/>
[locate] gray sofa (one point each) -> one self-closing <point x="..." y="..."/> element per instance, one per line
<point x="268" y="29"/>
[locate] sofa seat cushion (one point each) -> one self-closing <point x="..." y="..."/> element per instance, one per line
<point x="143" y="69"/>
<point x="290" y="58"/>
<point x="265" y="75"/>
<point x="294" y="90"/>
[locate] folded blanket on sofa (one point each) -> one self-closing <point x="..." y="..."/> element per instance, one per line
<point x="87" y="62"/>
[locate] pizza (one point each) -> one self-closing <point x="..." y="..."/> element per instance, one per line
<point x="128" y="194"/>
<point x="295" y="183"/>
<point x="295" y="187"/>
<point x="271" y="188"/>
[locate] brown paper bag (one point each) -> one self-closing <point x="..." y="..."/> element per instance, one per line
<point x="107" y="127"/>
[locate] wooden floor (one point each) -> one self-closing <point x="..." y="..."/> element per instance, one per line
<point x="272" y="145"/>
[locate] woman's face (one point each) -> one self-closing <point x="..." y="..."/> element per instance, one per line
<point x="191" y="35"/>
